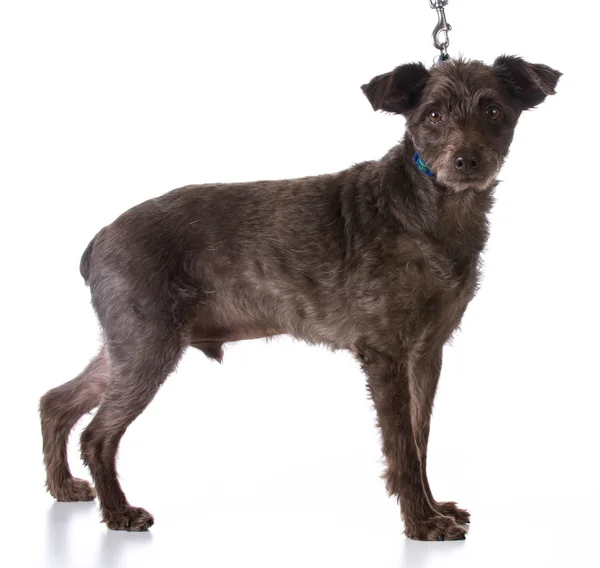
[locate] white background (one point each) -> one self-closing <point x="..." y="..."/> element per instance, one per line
<point x="273" y="459"/>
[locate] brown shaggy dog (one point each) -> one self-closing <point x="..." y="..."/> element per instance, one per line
<point x="381" y="259"/>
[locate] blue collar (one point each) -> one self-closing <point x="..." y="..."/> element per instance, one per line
<point x="421" y="165"/>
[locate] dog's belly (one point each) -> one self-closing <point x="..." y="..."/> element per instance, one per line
<point x="209" y="338"/>
<point x="202" y="334"/>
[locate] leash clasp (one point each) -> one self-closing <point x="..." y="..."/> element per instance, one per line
<point x="440" y="36"/>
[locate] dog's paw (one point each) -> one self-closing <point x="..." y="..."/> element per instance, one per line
<point x="449" y="509"/>
<point x="133" y="519"/>
<point x="73" y="490"/>
<point x="434" y="528"/>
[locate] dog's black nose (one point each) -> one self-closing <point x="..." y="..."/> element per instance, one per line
<point x="467" y="162"/>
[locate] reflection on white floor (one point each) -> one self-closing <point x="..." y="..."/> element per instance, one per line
<point x="66" y="545"/>
<point x="199" y="534"/>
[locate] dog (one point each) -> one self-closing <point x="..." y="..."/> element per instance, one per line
<point x="381" y="259"/>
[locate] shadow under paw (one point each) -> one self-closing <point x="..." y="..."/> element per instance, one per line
<point x="133" y="519"/>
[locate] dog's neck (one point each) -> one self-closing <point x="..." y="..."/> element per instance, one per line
<point x="455" y="220"/>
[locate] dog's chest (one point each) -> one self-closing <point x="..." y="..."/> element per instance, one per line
<point x="459" y="235"/>
<point x="440" y="267"/>
<point x="460" y="228"/>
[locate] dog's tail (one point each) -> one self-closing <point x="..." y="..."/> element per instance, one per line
<point x="84" y="265"/>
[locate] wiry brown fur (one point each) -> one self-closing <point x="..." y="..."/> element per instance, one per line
<point x="379" y="259"/>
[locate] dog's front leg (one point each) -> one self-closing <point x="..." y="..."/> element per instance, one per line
<point x="425" y="369"/>
<point x="388" y="381"/>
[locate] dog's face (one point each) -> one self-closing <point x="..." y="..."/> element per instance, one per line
<point x="461" y="115"/>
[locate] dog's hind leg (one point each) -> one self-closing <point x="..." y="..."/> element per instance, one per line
<point x="60" y="409"/>
<point x="140" y="363"/>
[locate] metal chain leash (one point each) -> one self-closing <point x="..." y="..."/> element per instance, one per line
<point x="441" y="40"/>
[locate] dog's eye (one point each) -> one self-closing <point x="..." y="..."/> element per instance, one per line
<point x="493" y="112"/>
<point x="435" y="116"/>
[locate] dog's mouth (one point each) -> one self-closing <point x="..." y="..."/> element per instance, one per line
<point x="466" y="178"/>
<point x="459" y="182"/>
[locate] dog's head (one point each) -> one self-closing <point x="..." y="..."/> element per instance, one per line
<point x="461" y="115"/>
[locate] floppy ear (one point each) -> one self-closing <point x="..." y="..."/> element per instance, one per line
<point x="399" y="90"/>
<point x="530" y="83"/>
